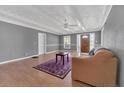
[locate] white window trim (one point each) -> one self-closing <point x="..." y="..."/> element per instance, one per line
<point x="64" y="45"/>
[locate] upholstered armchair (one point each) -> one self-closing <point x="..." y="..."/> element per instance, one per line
<point x="98" y="70"/>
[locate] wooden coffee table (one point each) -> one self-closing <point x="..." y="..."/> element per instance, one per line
<point x="62" y="54"/>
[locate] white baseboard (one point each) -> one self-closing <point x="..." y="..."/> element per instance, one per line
<point x="15" y="60"/>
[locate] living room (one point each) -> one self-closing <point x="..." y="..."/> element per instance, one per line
<point x="48" y="46"/>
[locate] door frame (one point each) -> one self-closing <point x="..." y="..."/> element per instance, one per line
<point x="83" y="40"/>
<point x="44" y="43"/>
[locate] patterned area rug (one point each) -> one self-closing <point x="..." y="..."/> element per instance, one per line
<point x="56" y="69"/>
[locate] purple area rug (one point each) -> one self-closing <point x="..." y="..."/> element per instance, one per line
<point x="56" y="69"/>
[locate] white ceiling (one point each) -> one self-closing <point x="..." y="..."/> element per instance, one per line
<point x="51" y="18"/>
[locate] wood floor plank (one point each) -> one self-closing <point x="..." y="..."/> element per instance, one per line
<point x="21" y="74"/>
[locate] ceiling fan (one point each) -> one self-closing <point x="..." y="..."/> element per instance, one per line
<point x="68" y="25"/>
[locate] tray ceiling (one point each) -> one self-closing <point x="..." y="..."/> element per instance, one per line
<point x="51" y="18"/>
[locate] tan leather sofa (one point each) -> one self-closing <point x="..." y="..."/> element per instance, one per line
<point x="99" y="70"/>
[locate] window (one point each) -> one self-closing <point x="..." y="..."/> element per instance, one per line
<point x="92" y="40"/>
<point x="78" y="42"/>
<point x="67" y="42"/>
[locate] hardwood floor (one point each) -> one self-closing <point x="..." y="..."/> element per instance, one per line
<point x="21" y="74"/>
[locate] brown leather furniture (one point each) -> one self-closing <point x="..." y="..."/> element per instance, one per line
<point x="99" y="70"/>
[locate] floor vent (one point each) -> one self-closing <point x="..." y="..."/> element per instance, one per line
<point x="35" y="57"/>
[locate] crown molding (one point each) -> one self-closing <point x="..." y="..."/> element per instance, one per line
<point x="14" y="19"/>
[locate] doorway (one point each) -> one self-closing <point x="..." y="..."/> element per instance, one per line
<point x="41" y="43"/>
<point x="85" y="42"/>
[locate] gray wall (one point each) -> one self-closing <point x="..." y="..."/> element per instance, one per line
<point x="61" y="42"/>
<point x="97" y="38"/>
<point x="52" y="42"/>
<point x="73" y="42"/>
<point x="113" y="38"/>
<point x="17" y="41"/>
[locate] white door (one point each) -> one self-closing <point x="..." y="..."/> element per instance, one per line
<point x="41" y="43"/>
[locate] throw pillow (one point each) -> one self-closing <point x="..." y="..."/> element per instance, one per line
<point x="91" y="52"/>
